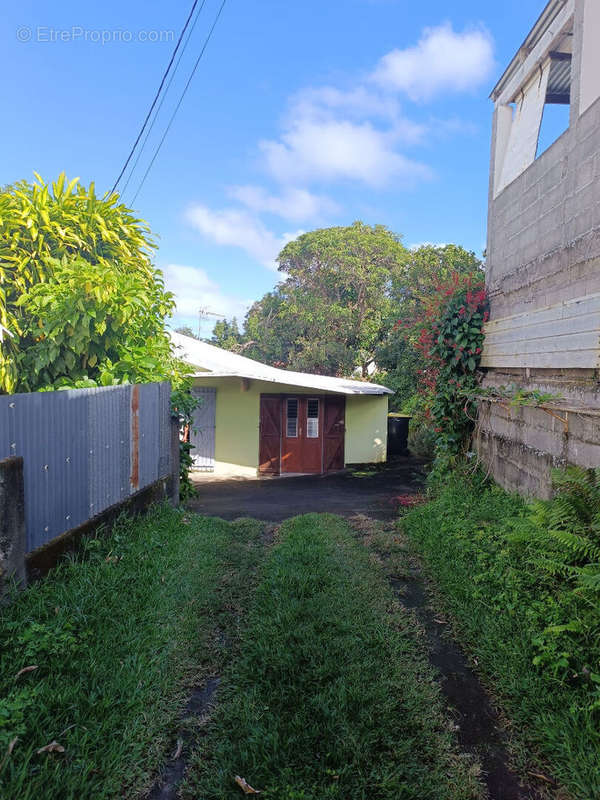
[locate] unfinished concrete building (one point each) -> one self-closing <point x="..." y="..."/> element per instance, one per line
<point x="543" y="254"/>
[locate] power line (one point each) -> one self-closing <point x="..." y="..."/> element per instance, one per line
<point x="180" y="101"/>
<point x="162" y="99"/>
<point x="156" y="96"/>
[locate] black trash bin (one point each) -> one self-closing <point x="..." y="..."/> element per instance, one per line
<point x="397" y="443"/>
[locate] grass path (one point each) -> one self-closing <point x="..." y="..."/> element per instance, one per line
<point x="326" y="691"/>
<point x="331" y="695"/>
<point x="117" y="638"/>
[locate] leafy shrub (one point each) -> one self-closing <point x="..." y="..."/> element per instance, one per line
<point x="80" y="296"/>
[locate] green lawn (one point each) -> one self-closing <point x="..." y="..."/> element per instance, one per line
<point x="117" y="637"/>
<point x="535" y="636"/>
<point x="331" y="695"/>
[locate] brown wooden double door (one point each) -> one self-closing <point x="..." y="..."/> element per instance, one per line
<point x="301" y="433"/>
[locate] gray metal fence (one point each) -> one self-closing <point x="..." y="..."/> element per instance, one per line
<point x="84" y="450"/>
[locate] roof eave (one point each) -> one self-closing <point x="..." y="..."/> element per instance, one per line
<point x="373" y="390"/>
<point x="544" y="21"/>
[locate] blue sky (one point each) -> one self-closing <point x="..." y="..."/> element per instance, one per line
<point x="301" y="115"/>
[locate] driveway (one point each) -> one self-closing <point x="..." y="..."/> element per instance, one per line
<point x="368" y="490"/>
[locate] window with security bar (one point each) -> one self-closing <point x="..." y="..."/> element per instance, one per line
<point x="292" y="418"/>
<point x="312" y="419"/>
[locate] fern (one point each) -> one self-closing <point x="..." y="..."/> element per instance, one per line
<point x="589" y="577"/>
<point x="580" y="546"/>
<point x="552" y="566"/>
<point x="562" y="535"/>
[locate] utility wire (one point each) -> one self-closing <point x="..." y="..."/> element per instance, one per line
<point x="180" y="101"/>
<point x="162" y="99"/>
<point x="156" y="96"/>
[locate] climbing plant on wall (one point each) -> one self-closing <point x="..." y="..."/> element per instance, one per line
<point x="450" y="336"/>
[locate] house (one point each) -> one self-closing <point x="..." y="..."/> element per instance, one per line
<point x="256" y="419"/>
<point x="543" y="254"/>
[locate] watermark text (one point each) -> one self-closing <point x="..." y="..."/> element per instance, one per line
<point x="77" y="33"/>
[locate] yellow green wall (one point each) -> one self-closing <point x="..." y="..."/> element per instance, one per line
<point x="366" y="428"/>
<point x="237" y="423"/>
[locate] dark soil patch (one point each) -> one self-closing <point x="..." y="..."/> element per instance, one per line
<point x="368" y="490"/>
<point x="479" y="729"/>
<point x="198" y="706"/>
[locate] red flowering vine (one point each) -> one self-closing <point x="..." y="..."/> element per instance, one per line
<point x="449" y="333"/>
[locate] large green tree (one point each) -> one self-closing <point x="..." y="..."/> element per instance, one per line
<point x="79" y="294"/>
<point x="329" y="313"/>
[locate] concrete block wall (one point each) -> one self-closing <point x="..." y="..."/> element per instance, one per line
<point x="544" y="248"/>
<point x="544" y="228"/>
<point x="521" y="445"/>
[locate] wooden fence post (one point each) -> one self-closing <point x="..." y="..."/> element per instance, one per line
<point x="13" y="538"/>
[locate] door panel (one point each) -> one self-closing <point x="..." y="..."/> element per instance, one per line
<point x="301" y="434"/>
<point x="302" y="441"/>
<point x="333" y="433"/>
<point x="202" y="433"/>
<point x="270" y="434"/>
<point x="312" y="434"/>
<point x="291" y="441"/>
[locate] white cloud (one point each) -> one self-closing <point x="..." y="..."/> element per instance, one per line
<point x="193" y="290"/>
<point x="238" y="228"/>
<point x="336" y="134"/>
<point x="443" y="60"/>
<point x="293" y="204"/>
<point x="338" y="149"/>
<point x="360" y="102"/>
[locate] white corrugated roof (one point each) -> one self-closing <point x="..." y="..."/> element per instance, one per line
<point x="218" y="363"/>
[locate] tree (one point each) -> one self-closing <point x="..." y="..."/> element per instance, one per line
<point x="185" y="330"/>
<point x="328" y="314"/>
<point x="270" y="331"/>
<point x="78" y="291"/>
<point x="227" y="335"/>
<point x="427" y="268"/>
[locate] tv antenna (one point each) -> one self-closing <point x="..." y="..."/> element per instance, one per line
<point x="205" y="313"/>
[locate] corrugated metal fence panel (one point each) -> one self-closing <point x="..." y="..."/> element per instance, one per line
<point x="124" y="423"/>
<point x="202" y="435"/>
<point x="104" y="448"/>
<point x="49" y="430"/>
<point x="149" y="433"/>
<point x="76" y="449"/>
